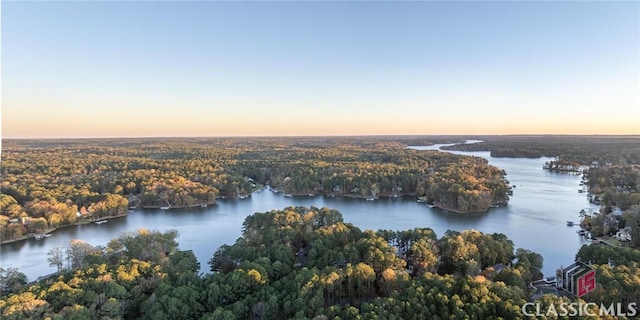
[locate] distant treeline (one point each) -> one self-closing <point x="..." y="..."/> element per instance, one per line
<point x="619" y="150"/>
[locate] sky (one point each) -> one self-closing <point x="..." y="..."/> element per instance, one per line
<point x="204" y="68"/>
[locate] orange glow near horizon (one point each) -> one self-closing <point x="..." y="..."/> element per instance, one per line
<point x="208" y="68"/>
<point x="184" y="125"/>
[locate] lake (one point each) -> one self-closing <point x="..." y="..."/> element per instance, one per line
<point x="535" y="219"/>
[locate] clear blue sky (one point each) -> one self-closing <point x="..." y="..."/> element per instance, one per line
<point x="105" y="69"/>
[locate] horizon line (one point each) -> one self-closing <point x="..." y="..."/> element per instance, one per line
<point x="328" y="136"/>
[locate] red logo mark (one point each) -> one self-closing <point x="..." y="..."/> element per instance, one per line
<point x="586" y="283"/>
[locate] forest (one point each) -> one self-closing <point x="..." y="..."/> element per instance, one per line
<point x="297" y="263"/>
<point x="52" y="183"/>
<point x="617" y="189"/>
<point x="302" y="263"/>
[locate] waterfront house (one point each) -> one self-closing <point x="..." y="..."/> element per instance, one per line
<point x="623" y="234"/>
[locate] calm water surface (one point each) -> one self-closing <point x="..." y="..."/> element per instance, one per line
<point x="535" y="219"/>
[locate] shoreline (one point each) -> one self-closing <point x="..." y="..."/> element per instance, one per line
<point x="562" y="170"/>
<point x="85" y="221"/>
<point x="332" y="195"/>
<point x="52" y="230"/>
<point x="460" y="211"/>
<point x="399" y="196"/>
<point x="174" y="207"/>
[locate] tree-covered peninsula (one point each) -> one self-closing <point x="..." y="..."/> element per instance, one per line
<point x="299" y="263"/>
<point x="49" y="183"/>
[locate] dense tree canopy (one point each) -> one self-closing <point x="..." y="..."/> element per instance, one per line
<point x="296" y="263"/>
<point x="617" y="273"/>
<point x="47" y="184"/>
<point x="617" y="190"/>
